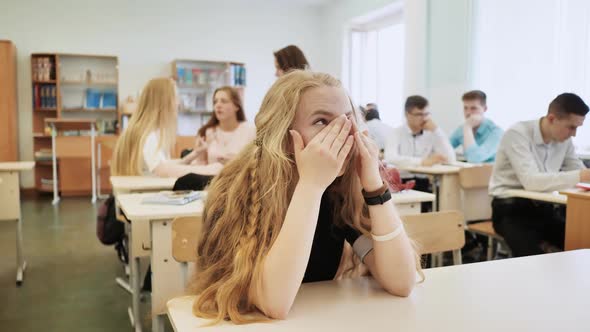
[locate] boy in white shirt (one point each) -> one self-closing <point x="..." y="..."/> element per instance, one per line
<point x="537" y="155"/>
<point x="420" y="141"/>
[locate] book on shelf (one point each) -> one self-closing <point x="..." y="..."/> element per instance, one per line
<point x="45" y="96"/>
<point x="43" y="68"/>
<point x="172" y="197"/>
<point x="583" y="185"/>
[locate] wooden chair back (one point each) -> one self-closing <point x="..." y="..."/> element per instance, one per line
<point x="437" y="232"/>
<point x="185" y="238"/>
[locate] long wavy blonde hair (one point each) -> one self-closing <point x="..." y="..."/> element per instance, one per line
<point x="247" y="203"/>
<point x="156" y="112"/>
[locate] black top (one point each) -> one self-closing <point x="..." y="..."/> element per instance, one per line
<point x="328" y="243"/>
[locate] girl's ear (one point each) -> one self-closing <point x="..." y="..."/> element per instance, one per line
<point x="289" y="144"/>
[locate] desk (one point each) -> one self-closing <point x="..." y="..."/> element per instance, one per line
<point x="447" y="178"/>
<point x="549" y="197"/>
<point x="136" y="184"/>
<point x="10" y="198"/>
<point x="153" y="223"/>
<point x="129" y="184"/>
<point x="167" y="280"/>
<point x="541" y="293"/>
<point x="577" y="223"/>
<point x="70" y="147"/>
<point x="408" y="201"/>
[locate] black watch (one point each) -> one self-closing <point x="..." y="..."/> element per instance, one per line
<point x="379" y="199"/>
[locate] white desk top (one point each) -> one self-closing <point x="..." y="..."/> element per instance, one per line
<point x="134" y="209"/>
<point x="431" y="170"/>
<point x="535" y="293"/>
<point x="17" y="166"/>
<point x="412" y="196"/>
<point x="551" y="197"/>
<point x="141" y="183"/>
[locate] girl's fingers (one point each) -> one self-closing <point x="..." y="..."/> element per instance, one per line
<point x="321" y="136"/>
<point x="345" y="149"/>
<point x="361" y="144"/>
<point x="341" y="138"/>
<point x="332" y="134"/>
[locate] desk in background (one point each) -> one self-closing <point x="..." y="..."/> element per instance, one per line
<point x="445" y="184"/>
<point x="577" y="223"/>
<point x="544" y="293"/>
<point x="10" y="211"/>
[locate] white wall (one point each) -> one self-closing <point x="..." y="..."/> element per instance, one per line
<point x="437" y="46"/>
<point x="448" y="59"/>
<point x="335" y="19"/>
<point x="147" y="35"/>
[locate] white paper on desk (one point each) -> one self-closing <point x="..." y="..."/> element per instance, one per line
<point x="172" y="197"/>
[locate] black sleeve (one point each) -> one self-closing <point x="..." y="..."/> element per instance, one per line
<point x="350" y="234"/>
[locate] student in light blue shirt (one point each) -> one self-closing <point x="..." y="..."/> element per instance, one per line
<point x="479" y="136"/>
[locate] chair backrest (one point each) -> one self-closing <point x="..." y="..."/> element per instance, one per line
<point x="185" y="238"/>
<point x="475" y="199"/>
<point x="437" y="231"/>
<point x="475" y="177"/>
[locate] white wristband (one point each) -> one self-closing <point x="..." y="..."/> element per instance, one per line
<point x="388" y="236"/>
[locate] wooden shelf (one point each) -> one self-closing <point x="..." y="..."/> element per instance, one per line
<point x="44" y="163"/>
<point x="74" y="171"/>
<point x="106" y="110"/>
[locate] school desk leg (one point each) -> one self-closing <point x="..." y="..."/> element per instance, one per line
<point x="135" y="281"/>
<point x="54" y="165"/>
<point x="20" y="260"/>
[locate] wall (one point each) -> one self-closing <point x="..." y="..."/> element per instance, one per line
<point x="437" y="49"/>
<point x="448" y="59"/>
<point x="147" y="35"/>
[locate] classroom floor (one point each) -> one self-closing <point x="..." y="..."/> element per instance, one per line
<point x="70" y="278"/>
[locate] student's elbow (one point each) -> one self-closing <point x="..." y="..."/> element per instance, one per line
<point x="402" y="289"/>
<point x="276" y="310"/>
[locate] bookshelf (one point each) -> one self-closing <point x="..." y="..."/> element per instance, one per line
<point x="71" y="87"/>
<point x="8" y="102"/>
<point x="196" y="81"/>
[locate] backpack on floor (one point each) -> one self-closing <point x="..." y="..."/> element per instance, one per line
<point x="108" y="229"/>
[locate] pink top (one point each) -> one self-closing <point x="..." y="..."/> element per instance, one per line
<point x="225" y="145"/>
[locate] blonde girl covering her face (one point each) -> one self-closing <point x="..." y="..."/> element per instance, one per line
<point x="156" y="112"/>
<point x="249" y="205"/>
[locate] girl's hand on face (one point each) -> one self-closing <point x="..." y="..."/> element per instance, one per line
<point x="319" y="162"/>
<point x="367" y="159"/>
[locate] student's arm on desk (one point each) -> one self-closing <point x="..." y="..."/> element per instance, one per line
<point x="480" y="153"/>
<point x="531" y="178"/>
<point x="571" y="161"/>
<point x="391" y="263"/>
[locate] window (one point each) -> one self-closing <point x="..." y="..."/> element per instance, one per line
<point x="376" y="63"/>
<point x="526" y="52"/>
